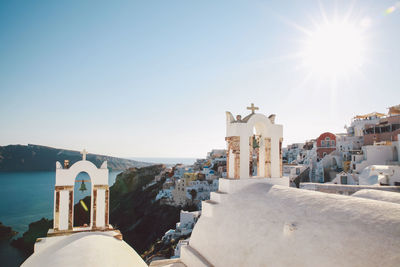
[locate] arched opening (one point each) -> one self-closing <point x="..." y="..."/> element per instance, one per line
<point x="255" y="146"/>
<point x="82" y="200"/>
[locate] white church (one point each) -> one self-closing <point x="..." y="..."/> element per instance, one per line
<point x="254" y="219"/>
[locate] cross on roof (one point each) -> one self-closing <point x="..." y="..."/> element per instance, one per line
<point x="84" y="152"/>
<point x="252" y="108"/>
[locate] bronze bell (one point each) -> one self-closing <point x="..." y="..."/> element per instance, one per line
<point x="83" y="187"/>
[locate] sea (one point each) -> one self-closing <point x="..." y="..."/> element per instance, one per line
<point x="26" y="197"/>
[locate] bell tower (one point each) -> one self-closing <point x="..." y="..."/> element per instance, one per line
<point x="254" y="146"/>
<point x="64" y="196"/>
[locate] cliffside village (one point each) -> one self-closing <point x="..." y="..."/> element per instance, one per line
<point x="367" y="154"/>
<point x="186" y="185"/>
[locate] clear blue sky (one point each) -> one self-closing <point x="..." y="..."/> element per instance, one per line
<point x="154" y="78"/>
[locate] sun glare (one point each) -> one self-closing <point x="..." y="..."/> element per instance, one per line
<point x="334" y="48"/>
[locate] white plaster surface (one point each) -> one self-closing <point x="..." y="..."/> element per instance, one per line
<point x="265" y="225"/>
<point x="375" y="155"/>
<point x="376" y="174"/>
<point x="378" y="195"/>
<point x="233" y="185"/>
<point x="84" y="249"/>
<point x="100" y="211"/>
<point x="64" y="207"/>
<point x="67" y="177"/>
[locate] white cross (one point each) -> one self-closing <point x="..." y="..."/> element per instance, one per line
<point x="84" y="152"/>
<point x="252" y="108"/>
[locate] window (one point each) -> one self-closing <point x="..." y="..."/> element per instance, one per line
<point x="343" y="179"/>
<point x="322" y="143"/>
<point x="327" y="139"/>
<point x="333" y="142"/>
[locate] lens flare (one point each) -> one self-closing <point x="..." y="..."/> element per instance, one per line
<point x="390" y="10"/>
<point x="334" y="48"/>
<point x="83" y="205"/>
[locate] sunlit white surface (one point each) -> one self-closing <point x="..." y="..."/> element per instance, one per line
<point x="84" y="249"/>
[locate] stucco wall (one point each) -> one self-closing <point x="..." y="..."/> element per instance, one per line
<point x="376" y="174"/>
<point x="375" y="155"/>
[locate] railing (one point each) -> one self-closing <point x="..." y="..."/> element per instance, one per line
<point x="302" y="177"/>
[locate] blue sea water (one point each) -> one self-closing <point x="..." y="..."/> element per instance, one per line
<point x="26" y="197"/>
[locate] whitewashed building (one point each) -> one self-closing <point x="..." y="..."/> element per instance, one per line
<point x="378" y="154"/>
<point x="380" y="175"/>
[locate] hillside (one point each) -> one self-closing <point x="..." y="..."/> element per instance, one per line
<point x="6" y="232"/>
<point x="42" y="158"/>
<point x="134" y="211"/>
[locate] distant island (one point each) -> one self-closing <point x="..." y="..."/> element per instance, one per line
<point x="43" y="158"/>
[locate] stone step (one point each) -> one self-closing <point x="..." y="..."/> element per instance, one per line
<point x="218" y="196"/>
<point x="191" y="257"/>
<point x="224" y="185"/>
<point x="207" y="208"/>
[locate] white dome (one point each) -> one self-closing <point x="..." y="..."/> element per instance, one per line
<point x="84" y="249"/>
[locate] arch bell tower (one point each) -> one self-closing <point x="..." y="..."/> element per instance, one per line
<point x="254" y="146"/>
<point x="64" y="197"/>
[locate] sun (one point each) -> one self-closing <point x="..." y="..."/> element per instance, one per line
<point x="334" y="48"/>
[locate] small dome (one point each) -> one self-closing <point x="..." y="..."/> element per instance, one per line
<point x="84" y="249"/>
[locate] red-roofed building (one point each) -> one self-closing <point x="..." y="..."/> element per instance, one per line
<point x="326" y="143"/>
